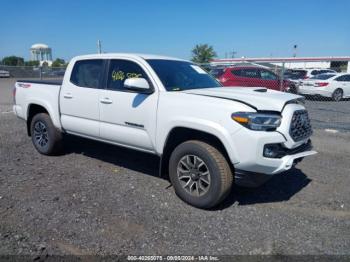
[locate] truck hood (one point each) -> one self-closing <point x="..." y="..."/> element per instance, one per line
<point x="258" y="98"/>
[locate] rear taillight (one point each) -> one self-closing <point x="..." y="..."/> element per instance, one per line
<point x="14" y="90"/>
<point x="305" y="77"/>
<point x="320" y="84"/>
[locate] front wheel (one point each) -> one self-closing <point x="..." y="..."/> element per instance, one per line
<point x="200" y="174"/>
<point x="337" y="95"/>
<point x="45" y="137"/>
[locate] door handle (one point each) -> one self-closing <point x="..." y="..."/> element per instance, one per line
<point x="106" y="100"/>
<point x="68" y="95"/>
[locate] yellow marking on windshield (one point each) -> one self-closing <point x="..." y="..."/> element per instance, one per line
<point x="120" y="75"/>
<point x="133" y="75"/>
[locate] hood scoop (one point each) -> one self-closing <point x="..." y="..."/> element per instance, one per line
<point x="261" y="90"/>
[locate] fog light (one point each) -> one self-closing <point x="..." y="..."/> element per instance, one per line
<point x="271" y="150"/>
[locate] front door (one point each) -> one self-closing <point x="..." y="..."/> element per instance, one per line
<point x="127" y="118"/>
<point x="346" y="85"/>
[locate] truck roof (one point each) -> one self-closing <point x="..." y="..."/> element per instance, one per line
<point x="127" y="55"/>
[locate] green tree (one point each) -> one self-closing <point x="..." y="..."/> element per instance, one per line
<point x="203" y="53"/>
<point x="13" y="61"/>
<point x="31" y="63"/>
<point x="58" y="63"/>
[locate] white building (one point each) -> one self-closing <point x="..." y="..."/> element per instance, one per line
<point x="340" y="62"/>
<point x="41" y="53"/>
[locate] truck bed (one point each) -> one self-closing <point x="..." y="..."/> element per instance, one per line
<point x="43" y="82"/>
<point x="44" y="93"/>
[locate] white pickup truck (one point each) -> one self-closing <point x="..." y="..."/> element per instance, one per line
<point x="207" y="136"/>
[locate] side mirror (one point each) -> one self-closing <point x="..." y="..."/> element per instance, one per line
<point x="138" y="85"/>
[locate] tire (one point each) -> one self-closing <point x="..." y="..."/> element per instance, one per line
<point x="337" y="95"/>
<point x="292" y="89"/>
<point x="188" y="167"/>
<point x="45" y="137"/>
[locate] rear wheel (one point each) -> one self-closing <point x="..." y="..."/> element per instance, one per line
<point x="45" y="137"/>
<point x="200" y="174"/>
<point x="337" y="95"/>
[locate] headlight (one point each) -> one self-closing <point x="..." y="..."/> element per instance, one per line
<point x="257" y="121"/>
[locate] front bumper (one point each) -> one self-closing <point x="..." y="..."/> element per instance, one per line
<point x="254" y="178"/>
<point x="251" y="160"/>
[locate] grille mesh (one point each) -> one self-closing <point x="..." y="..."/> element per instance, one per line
<point x="300" y="127"/>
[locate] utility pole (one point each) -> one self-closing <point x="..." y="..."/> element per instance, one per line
<point x="233" y="53"/>
<point x="295" y="48"/>
<point x="99" y="48"/>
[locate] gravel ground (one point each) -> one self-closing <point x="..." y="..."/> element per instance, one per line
<point x="326" y="114"/>
<point x="102" y="199"/>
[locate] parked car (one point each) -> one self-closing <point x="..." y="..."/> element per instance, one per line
<point x="217" y="72"/>
<point x="294" y="77"/>
<point x="335" y="86"/>
<point x="57" y="73"/>
<point x="300" y="74"/>
<point x="206" y="136"/>
<point x="250" y="76"/>
<point x="4" y="73"/>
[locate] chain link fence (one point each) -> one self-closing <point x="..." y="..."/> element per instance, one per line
<point x="30" y="72"/>
<point x="325" y="86"/>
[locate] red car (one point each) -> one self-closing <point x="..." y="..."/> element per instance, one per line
<point x="249" y="76"/>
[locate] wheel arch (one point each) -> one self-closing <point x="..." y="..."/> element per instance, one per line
<point x="34" y="109"/>
<point x="178" y="135"/>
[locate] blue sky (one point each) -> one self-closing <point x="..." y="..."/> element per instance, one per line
<point x="252" y="28"/>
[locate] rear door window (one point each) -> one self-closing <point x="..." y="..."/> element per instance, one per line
<point x="325" y="71"/>
<point x="87" y="73"/>
<point x="343" y="78"/>
<point x="236" y="72"/>
<point x="322" y="76"/>
<point x="247" y="72"/>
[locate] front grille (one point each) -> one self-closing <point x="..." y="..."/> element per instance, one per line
<point x="300" y="127"/>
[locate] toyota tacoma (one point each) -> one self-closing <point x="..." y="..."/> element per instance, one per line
<point x="207" y="137"/>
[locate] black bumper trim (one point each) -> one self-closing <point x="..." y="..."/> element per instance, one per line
<point x="282" y="152"/>
<point x="250" y="179"/>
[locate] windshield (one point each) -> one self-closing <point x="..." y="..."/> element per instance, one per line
<point x="295" y="74"/>
<point x="323" y="76"/>
<point x="217" y="72"/>
<point x="182" y="75"/>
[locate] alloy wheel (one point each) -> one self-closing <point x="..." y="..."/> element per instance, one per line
<point x="41" y="134"/>
<point x="194" y="175"/>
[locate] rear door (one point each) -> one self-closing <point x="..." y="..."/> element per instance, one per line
<point x="347" y="85"/>
<point x="127" y="118"/>
<point x="79" y="98"/>
<point x="269" y="80"/>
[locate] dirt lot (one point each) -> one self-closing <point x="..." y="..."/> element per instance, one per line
<point x="101" y="199"/>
